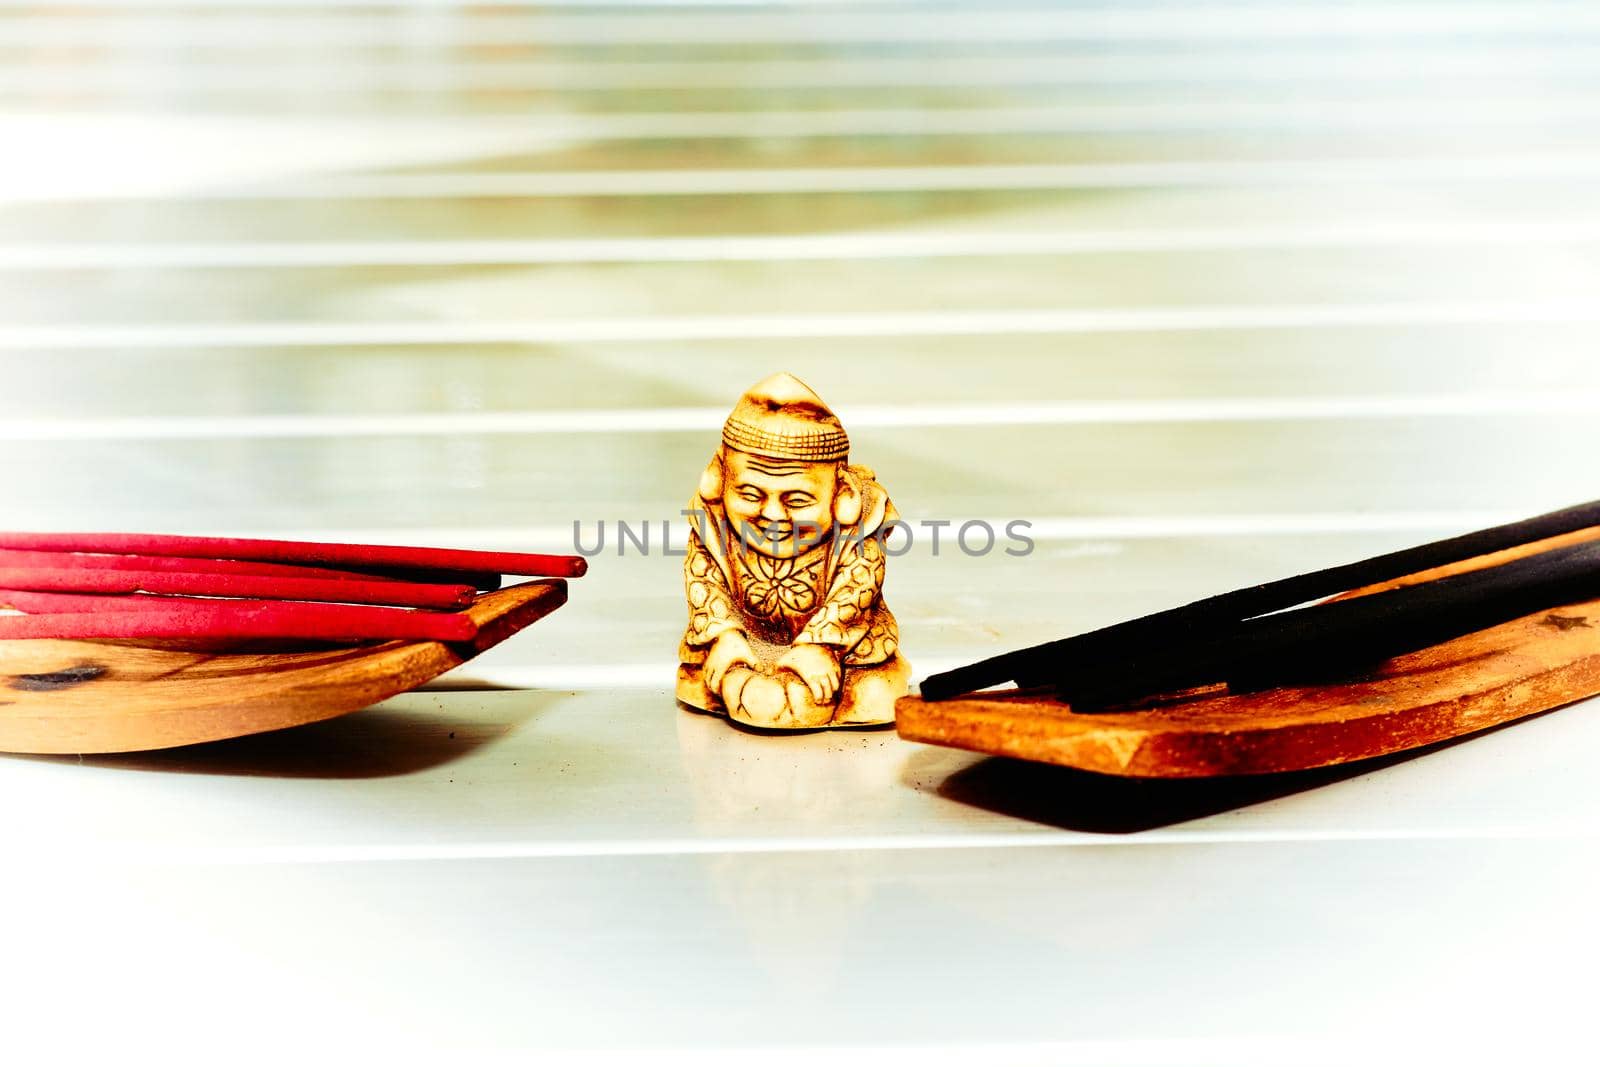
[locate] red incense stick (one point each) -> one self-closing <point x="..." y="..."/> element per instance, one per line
<point x="223" y="620"/>
<point x="38" y="603"/>
<point x="302" y="552"/>
<point x="10" y="557"/>
<point x="215" y="618"/>
<point x="398" y="594"/>
<point x="15" y="558"/>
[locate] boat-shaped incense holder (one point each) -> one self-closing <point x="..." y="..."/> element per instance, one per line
<point x="1453" y="689"/>
<point x="60" y="696"/>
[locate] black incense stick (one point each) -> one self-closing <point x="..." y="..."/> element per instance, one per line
<point x="1126" y="642"/>
<point x="1341" y="639"/>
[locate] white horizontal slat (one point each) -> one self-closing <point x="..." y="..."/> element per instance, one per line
<point x="731" y="181"/>
<point x="595" y="301"/>
<point x="1072" y="370"/>
<point x="61" y="171"/>
<point x="1207" y="22"/>
<point x="427" y="8"/>
<point x="1357" y="67"/>
<point x="819" y="246"/>
<point x="57" y="155"/>
<point x="864" y="324"/>
<point x="1363" y="205"/>
<point x="865" y="417"/>
<point x="1297" y="111"/>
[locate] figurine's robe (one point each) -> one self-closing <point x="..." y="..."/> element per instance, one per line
<point x="829" y="595"/>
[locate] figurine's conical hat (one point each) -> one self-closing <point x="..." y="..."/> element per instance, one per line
<point x="782" y="418"/>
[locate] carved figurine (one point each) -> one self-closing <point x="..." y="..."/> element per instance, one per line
<point x="784" y="573"/>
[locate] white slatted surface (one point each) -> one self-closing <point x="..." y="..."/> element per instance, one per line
<point x="1209" y="293"/>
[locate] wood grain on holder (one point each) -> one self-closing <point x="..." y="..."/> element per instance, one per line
<point x="113" y="696"/>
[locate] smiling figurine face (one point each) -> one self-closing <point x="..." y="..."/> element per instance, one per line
<point x="781" y="474"/>
<point x="780" y="507"/>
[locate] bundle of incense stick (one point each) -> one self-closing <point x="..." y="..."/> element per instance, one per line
<point x="168" y="587"/>
<point x="410" y="562"/>
<point x="73" y="579"/>
<point x="1263" y="636"/>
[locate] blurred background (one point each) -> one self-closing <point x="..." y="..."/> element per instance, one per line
<point x="1208" y="292"/>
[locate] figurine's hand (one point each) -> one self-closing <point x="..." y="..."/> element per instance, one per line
<point x="727" y="651"/>
<point x="817" y="667"/>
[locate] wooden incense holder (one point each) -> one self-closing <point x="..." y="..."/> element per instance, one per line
<point x="1483" y="679"/>
<point x="126" y="696"/>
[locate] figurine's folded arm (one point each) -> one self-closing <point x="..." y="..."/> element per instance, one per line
<point x="847" y="611"/>
<point x="711" y="606"/>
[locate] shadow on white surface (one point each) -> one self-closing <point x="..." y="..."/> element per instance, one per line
<point x="380" y="742"/>
<point x="1085" y="802"/>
